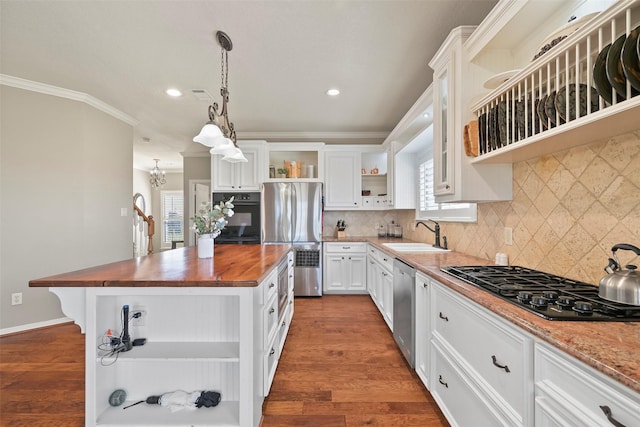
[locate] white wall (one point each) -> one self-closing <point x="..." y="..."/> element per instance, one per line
<point x="65" y="175"/>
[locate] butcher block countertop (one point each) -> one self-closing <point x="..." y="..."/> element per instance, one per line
<point x="612" y="348"/>
<point x="232" y="266"/>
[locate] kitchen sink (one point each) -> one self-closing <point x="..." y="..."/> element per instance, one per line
<point x="413" y="247"/>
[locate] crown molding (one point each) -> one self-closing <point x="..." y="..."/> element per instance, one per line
<point x="318" y="136"/>
<point x="60" y="92"/>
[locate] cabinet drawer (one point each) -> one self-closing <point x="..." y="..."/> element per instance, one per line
<point x="461" y="404"/>
<point x="345" y="247"/>
<point x="578" y="391"/>
<point x="385" y="260"/>
<point x="270" y="320"/>
<point x="499" y="355"/>
<point x="270" y="361"/>
<point x="270" y="286"/>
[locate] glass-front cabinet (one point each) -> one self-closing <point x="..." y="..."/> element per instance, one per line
<point x="443" y="159"/>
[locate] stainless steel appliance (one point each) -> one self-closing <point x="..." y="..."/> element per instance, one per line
<point x="549" y="296"/>
<point x="404" y="313"/>
<point x="292" y="213"/>
<point x="244" y="225"/>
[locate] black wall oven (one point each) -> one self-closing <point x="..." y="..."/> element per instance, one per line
<point x="244" y="225"/>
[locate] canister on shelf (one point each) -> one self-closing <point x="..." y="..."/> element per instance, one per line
<point x="272" y="171"/>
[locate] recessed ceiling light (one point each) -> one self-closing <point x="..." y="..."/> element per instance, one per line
<point x="333" y="92"/>
<point x="173" y="92"/>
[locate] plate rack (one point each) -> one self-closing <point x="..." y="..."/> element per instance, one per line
<point x="564" y="89"/>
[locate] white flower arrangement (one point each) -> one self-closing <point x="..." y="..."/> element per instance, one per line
<point x="212" y="219"/>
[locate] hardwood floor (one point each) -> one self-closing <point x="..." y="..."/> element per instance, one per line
<point x="340" y="367"/>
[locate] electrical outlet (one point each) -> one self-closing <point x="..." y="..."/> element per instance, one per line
<point x="16" y="299"/>
<point x="141" y="320"/>
<point x="508" y="236"/>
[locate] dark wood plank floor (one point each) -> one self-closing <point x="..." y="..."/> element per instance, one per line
<point x="340" y="367"/>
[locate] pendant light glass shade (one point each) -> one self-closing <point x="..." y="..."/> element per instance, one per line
<point x="222" y="146"/>
<point x="234" y="155"/>
<point x="208" y="135"/>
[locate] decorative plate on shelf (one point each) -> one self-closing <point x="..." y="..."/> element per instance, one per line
<point x="499" y="78"/>
<point x="630" y="57"/>
<point x="541" y="111"/>
<point x="615" y="73"/>
<point x="600" y="79"/>
<point x="561" y="101"/>
<point x="550" y="109"/>
<point x="562" y="33"/>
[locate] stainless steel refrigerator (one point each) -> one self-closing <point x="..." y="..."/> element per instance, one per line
<point x="292" y="213"/>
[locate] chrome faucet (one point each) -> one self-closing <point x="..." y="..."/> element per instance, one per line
<point x="436" y="231"/>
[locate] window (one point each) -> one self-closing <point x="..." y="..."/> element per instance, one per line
<point x="172" y="207"/>
<point x="427" y="206"/>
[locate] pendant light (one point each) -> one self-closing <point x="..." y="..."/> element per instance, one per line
<point x="218" y="133"/>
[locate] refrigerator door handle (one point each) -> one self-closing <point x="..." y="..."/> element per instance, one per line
<point x="294" y="212"/>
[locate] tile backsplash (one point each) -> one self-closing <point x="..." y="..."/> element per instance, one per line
<point x="568" y="210"/>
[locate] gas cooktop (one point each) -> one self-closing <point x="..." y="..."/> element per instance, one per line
<point x="549" y="296"/>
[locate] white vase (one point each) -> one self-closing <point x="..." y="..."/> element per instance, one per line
<point x="205" y="246"/>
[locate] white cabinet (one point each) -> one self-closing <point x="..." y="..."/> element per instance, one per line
<point x="422" y="327"/>
<point x="342" y="185"/>
<point x="455" y="177"/>
<point x="345" y="268"/>
<point x="569" y="393"/>
<point x="480" y="352"/>
<point x="308" y="158"/>
<point x="245" y="176"/>
<point x="380" y="277"/>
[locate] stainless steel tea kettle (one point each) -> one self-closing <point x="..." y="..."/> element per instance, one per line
<point x="621" y="285"/>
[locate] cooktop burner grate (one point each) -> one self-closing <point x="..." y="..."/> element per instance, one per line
<point x="547" y="295"/>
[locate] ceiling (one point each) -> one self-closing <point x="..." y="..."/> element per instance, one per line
<point x="286" y="54"/>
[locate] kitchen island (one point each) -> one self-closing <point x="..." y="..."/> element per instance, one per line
<point x="208" y="323"/>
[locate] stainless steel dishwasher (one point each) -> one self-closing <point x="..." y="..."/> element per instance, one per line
<point x="404" y="315"/>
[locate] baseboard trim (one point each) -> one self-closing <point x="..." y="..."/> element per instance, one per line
<point x="37" y="325"/>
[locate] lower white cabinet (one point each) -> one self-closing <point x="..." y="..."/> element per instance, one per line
<point x="345" y="268"/>
<point x="570" y="393"/>
<point x="422" y="327"/>
<point x="492" y="358"/>
<point x="380" y="282"/>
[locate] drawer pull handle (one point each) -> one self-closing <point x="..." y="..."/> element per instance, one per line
<point x="346" y="247"/>
<point x="271" y="285"/>
<point x="443" y="317"/>
<point x="424" y="285"/>
<point x="607" y="412"/>
<point x="495" y="363"/>
<point x="442" y="382"/>
<point x="272" y="310"/>
<point x="284" y="323"/>
<point x="272" y="352"/>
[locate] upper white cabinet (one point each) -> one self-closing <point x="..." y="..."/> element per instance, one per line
<point x="456" y="178"/>
<point x="342" y="184"/>
<point x="303" y="161"/>
<point x="535" y="112"/>
<point x="246" y="176"/>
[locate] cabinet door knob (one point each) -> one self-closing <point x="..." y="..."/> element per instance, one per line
<point x="443" y="317"/>
<point x="424" y="285"/>
<point x="271" y="285"/>
<point x="607" y="412"/>
<point x="273" y="310"/>
<point x="272" y="352"/>
<point x="442" y="382"/>
<point x="447" y="187"/>
<point x="495" y="363"/>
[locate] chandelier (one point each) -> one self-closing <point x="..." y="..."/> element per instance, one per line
<point x="156" y="176"/>
<point x="219" y="133"/>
